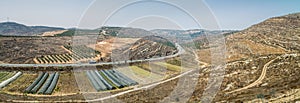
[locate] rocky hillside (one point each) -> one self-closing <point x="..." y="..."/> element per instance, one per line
<point x="125" y="32"/>
<point x="15" y="29"/>
<point x="144" y="48"/>
<point x="151" y="46"/>
<point x="276" y="35"/>
<point x="273" y="46"/>
<point x="193" y="33"/>
<point x="185" y="36"/>
<point x="282" y="32"/>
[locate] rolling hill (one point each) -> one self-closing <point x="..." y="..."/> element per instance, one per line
<point x="144" y="48"/>
<point x="125" y="32"/>
<point x="16" y="29"/>
<point x="185" y="36"/>
<point x="279" y="32"/>
<point x="276" y="35"/>
<point x="262" y="60"/>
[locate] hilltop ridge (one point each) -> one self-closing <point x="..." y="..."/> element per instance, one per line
<point x="16" y="29"/>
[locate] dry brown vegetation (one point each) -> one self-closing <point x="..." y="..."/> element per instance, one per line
<point x="272" y="38"/>
<point x="23" y="49"/>
<point x="247" y="53"/>
<point x="66" y="84"/>
<point x="106" y="46"/>
<point x="18" y="86"/>
<point x="53" y="33"/>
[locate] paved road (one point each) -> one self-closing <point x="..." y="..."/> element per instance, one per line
<point x="179" y="48"/>
<point x="180" y="51"/>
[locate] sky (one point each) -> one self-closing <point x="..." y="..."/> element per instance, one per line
<point x="147" y="14"/>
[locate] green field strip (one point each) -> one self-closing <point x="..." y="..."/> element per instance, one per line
<point x="9" y="75"/>
<point x="139" y="71"/>
<point x="169" y="66"/>
<point x="128" y="73"/>
<point x="144" y="73"/>
<point x="3" y="74"/>
<point x="153" y="68"/>
<point x="140" y="75"/>
<point x="108" y="80"/>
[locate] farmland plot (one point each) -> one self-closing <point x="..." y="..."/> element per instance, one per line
<point x="170" y="67"/>
<point x="140" y="75"/>
<point x="45" y="83"/>
<point x="77" y="53"/>
<point x="146" y="73"/>
<point x="8" y="77"/>
<point x="5" y="75"/>
<point x="162" y="70"/>
<point x="108" y="79"/>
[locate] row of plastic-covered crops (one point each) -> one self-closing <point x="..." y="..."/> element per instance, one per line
<point x="109" y="79"/>
<point x="8" y="77"/>
<point x="43" y="84"/>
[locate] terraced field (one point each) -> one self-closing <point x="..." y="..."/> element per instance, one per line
<point x="76" y="53"/>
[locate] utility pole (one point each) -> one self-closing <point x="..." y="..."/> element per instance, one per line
<point x="7" y="19"/>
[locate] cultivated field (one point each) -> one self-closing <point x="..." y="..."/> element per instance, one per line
<point x="76" y="53"/>
<point x="66" y="85"/>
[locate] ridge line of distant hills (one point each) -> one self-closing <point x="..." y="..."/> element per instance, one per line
<point x="16" y="29"/>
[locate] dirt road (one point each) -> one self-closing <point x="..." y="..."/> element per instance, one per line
<point x="258" y="81"/>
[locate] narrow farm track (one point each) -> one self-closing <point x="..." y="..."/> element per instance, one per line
<point x="259" y="80"/>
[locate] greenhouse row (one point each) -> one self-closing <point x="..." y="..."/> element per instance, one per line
<point x="109" y="79"/>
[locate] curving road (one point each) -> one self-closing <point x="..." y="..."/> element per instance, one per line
<point x="179" y="48"/>
<point x="259" y="80"/>
<point x="138" y="88"/>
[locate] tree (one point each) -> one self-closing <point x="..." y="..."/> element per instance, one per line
<point x="260" y="96"/>
<point x="272" y="92"/>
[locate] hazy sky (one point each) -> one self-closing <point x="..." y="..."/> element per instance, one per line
<point x="229" y="14"/>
